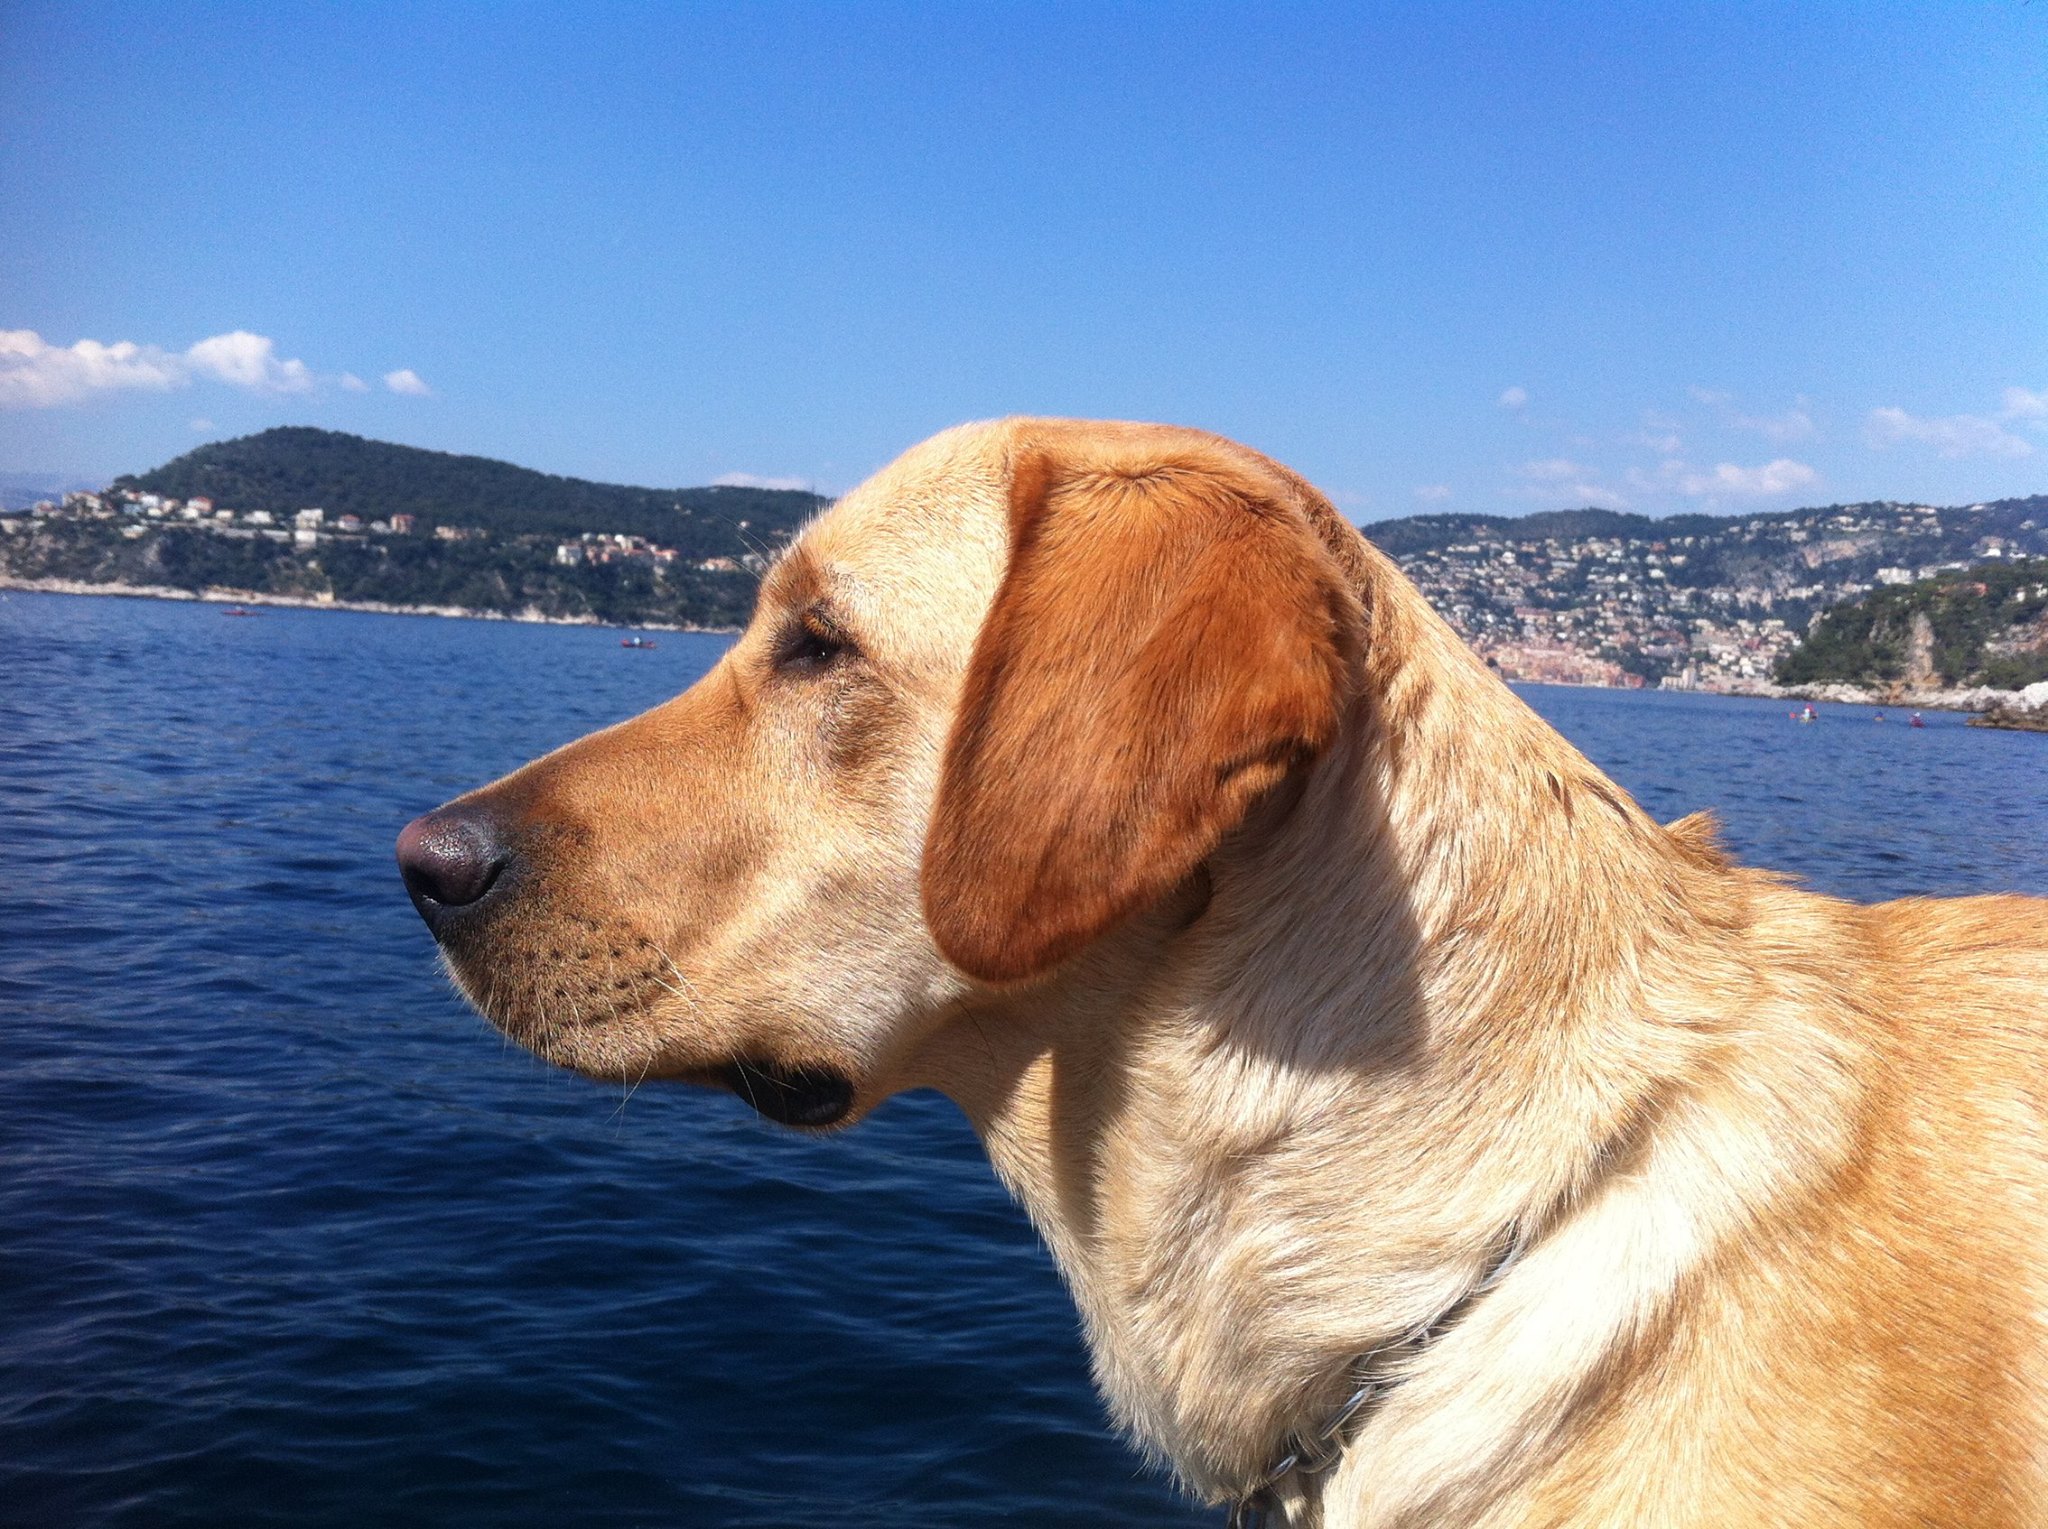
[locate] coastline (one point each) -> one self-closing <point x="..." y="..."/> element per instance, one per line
<point x="1973" y="698"/>
<point x="2018" y="709"/>
<point x="1966" y="698"/>
<point x="215" y="595"/>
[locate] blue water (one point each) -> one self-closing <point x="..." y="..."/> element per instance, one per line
<point x="288" y="1236"/>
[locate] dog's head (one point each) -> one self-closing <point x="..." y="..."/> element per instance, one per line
<point x="994" y="707"/>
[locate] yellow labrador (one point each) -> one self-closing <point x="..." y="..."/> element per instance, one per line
<point x="1428" y="1136"/>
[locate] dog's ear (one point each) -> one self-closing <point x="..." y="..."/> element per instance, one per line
<point x="1170" y="640"/>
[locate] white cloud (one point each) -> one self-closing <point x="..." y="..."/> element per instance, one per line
<point x="1597" y="495"/>
<point x="1660" y="432"/>
<point x="351" y="383"/>
<point x="1514" y="398"/>
<point x="1433" y="493"/>
<point x="409" y="382"/>
<point x="1954" y="435"/>
<point x="37" y="375"/>
<point x="1965" y="435"/>
<point x="1726" y="479"/>
<point x="1795" y="424"/>
<point x="1559" y="480"/>
<point x="2021" y="403"/>
<point x="202" y="425"/>
<point x="248" y="361"/>
<point x="752" y="480"/>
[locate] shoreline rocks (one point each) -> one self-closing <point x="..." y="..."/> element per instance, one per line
<point x="1977" y="698"/>
<point x="2026" y="712"/>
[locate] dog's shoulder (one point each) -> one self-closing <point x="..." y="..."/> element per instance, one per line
<point x="1967" y="976"/>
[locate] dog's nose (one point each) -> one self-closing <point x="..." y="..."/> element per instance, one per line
<point x="451" y="858"/>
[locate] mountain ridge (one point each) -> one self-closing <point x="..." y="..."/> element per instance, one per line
<point x="1400" y="535"/>
<point x="293" y="467"/>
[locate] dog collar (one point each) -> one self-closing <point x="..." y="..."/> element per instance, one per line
<point x="1373" y="1374"/>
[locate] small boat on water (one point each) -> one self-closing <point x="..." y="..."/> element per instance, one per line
<point x="637" y="642"/>
<point x="237" y="610"/>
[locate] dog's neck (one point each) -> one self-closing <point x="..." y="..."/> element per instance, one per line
<point x="1421" y="1004"/>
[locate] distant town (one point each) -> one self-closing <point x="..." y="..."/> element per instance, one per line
<point x="1712" y="609"/>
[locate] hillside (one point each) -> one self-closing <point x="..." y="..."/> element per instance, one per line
<point x="1978" y="626"/>
<point x="485" y="535"/>
<point x="294" y="467"/>
<point x="2020" y="520"/>
<point x="1693" y="601"/>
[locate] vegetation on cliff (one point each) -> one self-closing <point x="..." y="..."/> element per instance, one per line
<point x="1978" y="626"/>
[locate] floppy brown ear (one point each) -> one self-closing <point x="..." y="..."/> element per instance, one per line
<point x="1169" y="641"/>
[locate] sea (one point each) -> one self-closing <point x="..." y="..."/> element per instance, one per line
<point x="289" y="1236"/>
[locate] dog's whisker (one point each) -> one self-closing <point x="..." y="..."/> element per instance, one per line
<point x="744" y="1073"/>
<point x="619" y="1114"/>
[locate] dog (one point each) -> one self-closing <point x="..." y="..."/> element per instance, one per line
<point x="1427" y="1135"/>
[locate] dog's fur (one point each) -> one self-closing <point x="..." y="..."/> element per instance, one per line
<point x="1103" y="777"/>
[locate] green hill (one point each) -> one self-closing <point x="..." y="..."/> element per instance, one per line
<point x="1978" y="626"/>
<point x="721" y="535"/>
<point x="297" y="467"/>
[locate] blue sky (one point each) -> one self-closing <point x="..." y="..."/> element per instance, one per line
<point x="1492" y="259"/>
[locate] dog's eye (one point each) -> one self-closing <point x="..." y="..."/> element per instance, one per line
<point x="811" y="644"/>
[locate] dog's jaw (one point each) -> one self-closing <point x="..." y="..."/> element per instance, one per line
<point x="812" y="1096"/>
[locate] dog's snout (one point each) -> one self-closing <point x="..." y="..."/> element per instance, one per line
<point x="451" y="859"/>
